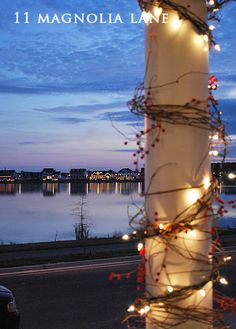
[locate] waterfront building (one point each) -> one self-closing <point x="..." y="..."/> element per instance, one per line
<point x="50" y="175"/>
<point x="78" y="174"/>
<point x="100" y="176"/>
<point x="127" y="174"/>
<point x="8" y="176"/>
<point x="30" y="176"/>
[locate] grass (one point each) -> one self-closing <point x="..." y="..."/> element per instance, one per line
<point x="66" y="258"/>
<point x="59" y="244"/>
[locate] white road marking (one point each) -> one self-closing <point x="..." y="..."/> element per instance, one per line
<point x="68" y="268"/>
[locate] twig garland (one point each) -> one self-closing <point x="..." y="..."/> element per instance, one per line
<point x="201" y="114"/>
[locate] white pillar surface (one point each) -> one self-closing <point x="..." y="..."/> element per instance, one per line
<point x="179" y="160"/>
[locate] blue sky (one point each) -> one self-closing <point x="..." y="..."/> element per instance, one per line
<point x="60" y="85"/>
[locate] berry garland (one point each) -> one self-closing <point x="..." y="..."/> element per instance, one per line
<point x="198" y="114"/>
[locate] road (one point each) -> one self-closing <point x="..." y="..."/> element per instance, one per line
<point x="79" y="295"/>
<point x="72" y="296"/>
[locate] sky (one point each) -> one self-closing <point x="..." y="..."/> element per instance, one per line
<point x="64" y="87"/>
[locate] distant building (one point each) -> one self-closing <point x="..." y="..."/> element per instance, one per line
<point x="100" y="176"/>
<point x="126" y="174"/>
<point x="78" y="174"/>
<point x="50" y="175"/>
<point x="8" y="175"/>
<point x="224" y="171"/>
<point x="64" y="177"/>
<point x="30" y="176"/>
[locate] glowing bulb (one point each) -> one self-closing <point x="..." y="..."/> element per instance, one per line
<point x="157" y="11"/>
<point x="134" y="232"/>
<point x="193" y="234"/>
<point x="207" y="183"/>
<point x="140" y="246"/>
<point x="212" y="27"/>
<point x="214" y="152"/>
<point x="202" y="292"/>
<point x="192" y="196"/>
<point x="176" y="23"/>
<point x="231" y="176"/>
<point x="227" y="258"/>
<point x="161" y="226"/>
<point x="170" y="289"/>
<point x="141" y="311"/>
<point x="147" y="309"/>
<point x="223" y="281"/>
<point x="131" y="308"/>
<point x="125" y="237"/>
<point x="215" y="137"/>
<point x="206" y="38"/>
<point x="217" y="47"/>
<point x="211" y="2"/>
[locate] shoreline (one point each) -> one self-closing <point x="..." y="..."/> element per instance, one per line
<point x="25" y="254"/>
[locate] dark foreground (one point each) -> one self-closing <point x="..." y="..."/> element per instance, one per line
<point x="83" y="298"/>
<point x="72" y="300"/>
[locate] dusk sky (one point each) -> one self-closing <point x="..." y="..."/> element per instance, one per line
<point x="62" y="84"/>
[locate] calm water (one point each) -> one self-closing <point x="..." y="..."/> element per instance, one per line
<point x="45" y="212"/>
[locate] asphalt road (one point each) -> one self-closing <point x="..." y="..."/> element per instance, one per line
<point x="79" y="295"/>
<point x="74" y="299"/>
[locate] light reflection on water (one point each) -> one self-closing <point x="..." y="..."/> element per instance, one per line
<point x="43" y="212"/>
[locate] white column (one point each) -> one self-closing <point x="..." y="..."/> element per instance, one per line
<point x="179" y="161"/>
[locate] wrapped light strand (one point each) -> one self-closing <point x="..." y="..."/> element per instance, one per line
<point x="188" y="225"/>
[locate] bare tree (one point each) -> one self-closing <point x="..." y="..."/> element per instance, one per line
<point x="82" y="228"/>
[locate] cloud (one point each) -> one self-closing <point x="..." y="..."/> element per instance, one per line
<point x="70" y="120"/>
<point x="124" y="150"/>
<point x="121" y="116"/>
<point x="82" y="108"/>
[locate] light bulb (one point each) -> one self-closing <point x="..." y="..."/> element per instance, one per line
<point x="215" y="137"/>
<point x="202" y="292"/>
<point x="192" y="196"/>
<point x="125" y="237"/>
<point x="231" y="176"/>
<point x="176" y="23"/>
<point x="206" y="38"/>
<point x="157" y="11"/>
<point x="217" y="47"/>
<point x="131" y="308"/>
<point x="170" y="289"/>
<point x="207" y="183"/>
<point x="223" y="281"/>
<point x="227" y="258"/>
<point x="147" y="309"/>
<point x="141" y="311"/>
<point x="140" y="246"/>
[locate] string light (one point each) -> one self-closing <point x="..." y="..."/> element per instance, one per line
<point x="140" y="246"/>
<point x="157" y="11"/>
<point x="176" y="23"/>
<point x="203" y="114"/>
<point x="202" y="292"/>
<point x="223" y="281"/>
<point x="125" y="237"/>
<point x="170" y="289"/>
<point x="131" y="308"/>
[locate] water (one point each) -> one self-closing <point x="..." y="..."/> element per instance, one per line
<point x="48" y="212"/>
